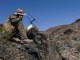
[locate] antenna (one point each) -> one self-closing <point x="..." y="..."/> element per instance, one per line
<point x="33" y="19"/>
<point x="29" y="19"/>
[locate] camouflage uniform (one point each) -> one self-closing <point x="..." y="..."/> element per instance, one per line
<point x="14" y="24"/>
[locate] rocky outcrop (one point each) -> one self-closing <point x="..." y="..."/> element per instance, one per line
<point x="11" y="49"/>
<point x="63" y="43"/>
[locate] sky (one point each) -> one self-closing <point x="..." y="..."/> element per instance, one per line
<point x="48" y="13"/>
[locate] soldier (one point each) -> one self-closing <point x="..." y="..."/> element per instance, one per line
<point x="14" y="24"/>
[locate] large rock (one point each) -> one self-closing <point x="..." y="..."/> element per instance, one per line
<point x="11" y="49"/>
<point x="15" y="51"/>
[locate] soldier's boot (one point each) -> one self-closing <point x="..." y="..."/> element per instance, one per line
<point x="26" y="41"/>
<point x="16" y="40"/>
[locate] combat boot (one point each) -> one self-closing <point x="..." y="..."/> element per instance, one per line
<point x="27" y="41"/>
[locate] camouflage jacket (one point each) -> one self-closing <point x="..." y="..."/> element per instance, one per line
<point x="9" y="26"/>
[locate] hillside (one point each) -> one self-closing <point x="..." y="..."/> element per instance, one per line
<point x="63" y="44"/>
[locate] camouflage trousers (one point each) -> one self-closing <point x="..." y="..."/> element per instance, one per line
<point x="16" y="30"/>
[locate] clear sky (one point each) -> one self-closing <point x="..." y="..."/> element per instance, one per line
<point x="48" y="13"/>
